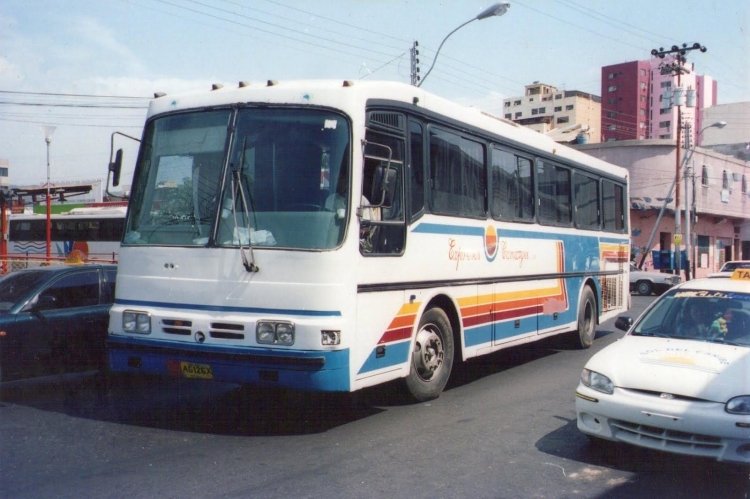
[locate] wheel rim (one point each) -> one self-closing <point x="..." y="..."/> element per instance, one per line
<point x="429" y="353"/>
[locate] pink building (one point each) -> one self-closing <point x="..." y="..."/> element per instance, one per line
<point x="713" y="186"/>
<point x="640" y="102"/>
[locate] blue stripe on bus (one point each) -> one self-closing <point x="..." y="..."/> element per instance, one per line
<point x="394" y="354"/>
<point x="220" y="308"/>
<point x="454" y="230"/>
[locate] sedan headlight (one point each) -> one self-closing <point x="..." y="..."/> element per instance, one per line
<point x="597" y="381"/>
<point x="739" y="405"/>
<point x="136" y="322"/>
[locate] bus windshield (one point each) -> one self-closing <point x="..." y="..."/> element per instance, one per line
<point x="281" y="179"/>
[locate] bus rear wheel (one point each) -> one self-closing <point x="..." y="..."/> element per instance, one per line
<point x="432" y="356"/>
<point x="586" y="318"/>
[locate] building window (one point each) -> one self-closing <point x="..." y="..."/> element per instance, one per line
<point x="704" y="246"/>
<point x="744" y="184"/>
<point x="542" y="110"/>
<point x="558" y="96"/>
<point x="704" y="176"/>
<point x="612" y="127"/>
<point x="563" y="119"/>
<point x="665" y="124"/>
<point x="508" y="116"/>
<point x="569" y="107"/>
<point x="612" y="88"/>
<point x="506" y="104"/>
<point x="724" y="180"/>
<point x="518" y="115"/>
<point x="558" y="109"/>
<point x="534" y="112"/>
<point x="517" y="103"/>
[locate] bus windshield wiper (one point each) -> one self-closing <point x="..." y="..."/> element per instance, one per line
<point x="248" y="258"/>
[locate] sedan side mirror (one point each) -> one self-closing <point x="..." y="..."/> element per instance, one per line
<point x="624" y="322"/>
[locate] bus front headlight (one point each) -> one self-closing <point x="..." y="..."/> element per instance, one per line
<point x="275" y="333"/>
<point x="136" y="322"/>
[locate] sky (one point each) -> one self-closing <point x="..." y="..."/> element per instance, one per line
<point x="88" y="67"/>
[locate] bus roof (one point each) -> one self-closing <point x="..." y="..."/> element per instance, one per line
<point x="352" y="96"/>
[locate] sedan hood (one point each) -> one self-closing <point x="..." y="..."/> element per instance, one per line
<point x="708" y="371"/>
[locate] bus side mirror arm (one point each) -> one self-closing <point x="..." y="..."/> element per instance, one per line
<point x="115" y="166"/>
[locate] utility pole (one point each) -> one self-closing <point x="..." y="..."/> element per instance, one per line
<point x="688" y="204"/>
<point x="414" y="51"/>
<point x="677" y="68"/>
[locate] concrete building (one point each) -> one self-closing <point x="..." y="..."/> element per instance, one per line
<point x="566" y="115"/>
<point x="642" y="100"/>
<point x="734" y="138"/>
<point x="4" y="173"/>
<point x="714" y="188"/>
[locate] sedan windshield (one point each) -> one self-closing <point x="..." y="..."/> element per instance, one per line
<point x="16" y="286"/>
<point x="712" y="316"/>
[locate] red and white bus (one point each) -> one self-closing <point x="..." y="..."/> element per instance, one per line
<point x="86" y="234"/>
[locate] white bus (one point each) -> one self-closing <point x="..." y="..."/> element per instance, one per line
<point x="332" y="236"/>
<point x="85" y="234"/>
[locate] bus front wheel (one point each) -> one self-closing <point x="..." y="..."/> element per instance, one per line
<point x="432" y="356"/>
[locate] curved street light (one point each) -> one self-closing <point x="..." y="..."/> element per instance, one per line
<point x="690" y="206"/>
<point x="48" y="131"/>
<point x="497" y="9"/>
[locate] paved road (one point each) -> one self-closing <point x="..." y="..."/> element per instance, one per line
<point x="505" y="427"/>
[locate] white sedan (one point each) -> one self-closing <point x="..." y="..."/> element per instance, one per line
<point x="679" y="380"/>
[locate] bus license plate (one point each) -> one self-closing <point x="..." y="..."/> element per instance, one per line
<point x="196" y="371"/>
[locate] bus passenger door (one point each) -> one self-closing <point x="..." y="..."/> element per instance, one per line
<point x="515" y="311"/>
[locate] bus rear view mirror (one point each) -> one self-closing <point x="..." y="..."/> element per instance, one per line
<point x="115" y="167"/>
<point x="384" y="186"/>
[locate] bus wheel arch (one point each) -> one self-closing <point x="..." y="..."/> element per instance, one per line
<point x="433" y="350"/>
<point x="588" y="315"/>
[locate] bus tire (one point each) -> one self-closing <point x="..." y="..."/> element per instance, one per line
<point x="586" y="318"/>
<point x="432" y="356"/>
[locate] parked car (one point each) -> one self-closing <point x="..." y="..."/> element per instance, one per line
<point x="54" y="319"/>
<point x="678" y="380"/>
<point x="646" y="283"/>
<point x="735" y="264"/>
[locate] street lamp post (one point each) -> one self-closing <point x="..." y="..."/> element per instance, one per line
<point x="48" y="131"/>
<point x="689" y="206"/>
<point x="497" y="9"/>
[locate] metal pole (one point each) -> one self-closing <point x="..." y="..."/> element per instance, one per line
<point x="688" y="223"/>
<point x="48" y="140"/>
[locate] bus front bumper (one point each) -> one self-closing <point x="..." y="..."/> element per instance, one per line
<point x="324" y="370"/>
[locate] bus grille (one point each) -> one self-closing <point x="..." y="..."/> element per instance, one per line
<point x="177" y="326"/>
<point x="227" y="331"/>
<point x="612" y="295"/>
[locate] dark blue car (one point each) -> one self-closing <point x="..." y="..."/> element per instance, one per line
<point x="54" y="319"/>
